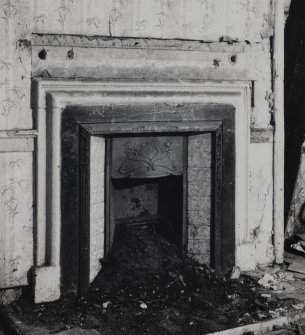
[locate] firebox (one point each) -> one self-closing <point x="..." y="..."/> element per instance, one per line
<point x="147" y="185"/>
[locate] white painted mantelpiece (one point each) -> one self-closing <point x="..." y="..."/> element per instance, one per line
<point x="52" y="96"/>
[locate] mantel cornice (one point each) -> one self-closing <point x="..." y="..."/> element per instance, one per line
<point x="66" y="92"/>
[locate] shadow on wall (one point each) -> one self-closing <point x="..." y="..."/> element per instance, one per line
<point x="294" y="94"/>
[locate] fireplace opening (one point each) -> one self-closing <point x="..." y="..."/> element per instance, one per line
<point x="157" y="202"/>
<point x="173" y="178"/>
<point x="146" y="185"/>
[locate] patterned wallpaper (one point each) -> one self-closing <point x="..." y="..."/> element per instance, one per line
<point x="16" y="219"/>
<point x="209" y="20"/>
<point x="189" y="19"/>
<point x="16" y="168"/>
<point x="15" y="65"/>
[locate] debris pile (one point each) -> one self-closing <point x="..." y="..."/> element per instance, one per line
<point x="277" y="285"/>
<point x="146" y="286"/>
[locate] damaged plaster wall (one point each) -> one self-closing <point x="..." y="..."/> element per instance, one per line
<point x="235" y="36"/>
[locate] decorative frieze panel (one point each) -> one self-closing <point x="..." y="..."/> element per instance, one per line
<point x="147" y="157"/>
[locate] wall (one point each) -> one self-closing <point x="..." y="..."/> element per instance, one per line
<point x="236" y="36"/>
<point x="16" y="157"/>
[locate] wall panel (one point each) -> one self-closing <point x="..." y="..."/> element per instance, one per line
<point x="16" y="219"/>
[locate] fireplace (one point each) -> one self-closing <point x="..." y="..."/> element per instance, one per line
<point x="118" y="160"/>
<point x="182" y="158"/>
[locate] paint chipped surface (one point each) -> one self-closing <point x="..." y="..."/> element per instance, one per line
<point x="255" y="247"/>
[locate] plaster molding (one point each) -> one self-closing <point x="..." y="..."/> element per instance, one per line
<point x="49" y="100"/>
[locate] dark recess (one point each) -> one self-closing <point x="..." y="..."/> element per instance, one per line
<point x="294" y="95"/>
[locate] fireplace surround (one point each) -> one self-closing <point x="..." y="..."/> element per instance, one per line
<point x="75" y="119"/>
<point x="194" y="121"/>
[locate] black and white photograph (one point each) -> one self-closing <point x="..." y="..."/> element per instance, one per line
<point x="152" y="167"/>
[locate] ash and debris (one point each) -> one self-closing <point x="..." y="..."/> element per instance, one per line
<point x="146" y="286"/>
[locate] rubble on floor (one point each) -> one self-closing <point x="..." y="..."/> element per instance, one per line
<point x="278" y="284"/>
<point x="147" y="287"/>
<point x="292" y="328"/>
